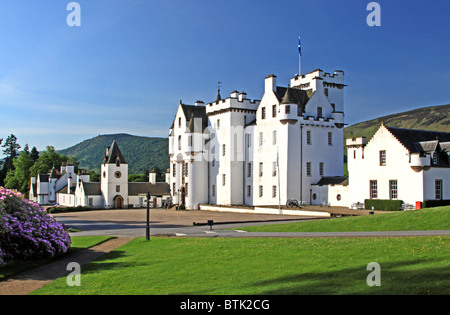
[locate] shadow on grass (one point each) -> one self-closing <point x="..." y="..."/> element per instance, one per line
<point x="399" y="278"/>
<point x="408" y="277"/>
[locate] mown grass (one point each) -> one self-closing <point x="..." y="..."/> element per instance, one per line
<point x="426" y="219"/>
<point x="78" y="243"/>
<point x="409" y="265"/>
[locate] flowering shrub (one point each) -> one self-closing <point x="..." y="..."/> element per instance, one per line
<point x="27" y="231"/>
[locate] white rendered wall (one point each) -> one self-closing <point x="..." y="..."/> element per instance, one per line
<point x="363" y="170"/>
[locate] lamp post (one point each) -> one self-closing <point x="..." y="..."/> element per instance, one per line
<point x="147" y="229"/>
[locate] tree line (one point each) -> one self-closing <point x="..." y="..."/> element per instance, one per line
<point x="17" y="167"/>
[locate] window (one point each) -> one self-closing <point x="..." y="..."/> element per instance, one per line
<point x="274" y="191"/>
<point x="330" y="138"/>
<point x="321" y="168"/>
<point x="223" y="179"/>
<point x="213" y="162"/>
<point x="263" y="113"/>
<point x="184" y="169"/>
<point x="117" y="188"/>
<point x="261" y="191"/>
<point x="435" y="158"/>
<point x="249" y="140"/>
<point x="186" y="189"/>
<point x="174" y="190"/>
<point x="373" y="189"/>
<point x="274" y="110"/>
<point x="274" y="168"/>
<point x="249" y="169"/>
<point x="308" y="137"/>
<point x="179" y="122"/>
<point x="308" y="168"/>
<point x="319" y="112"/>
<point x="261" y="138"/>
<point x="117" y="162"/>
<point x="213" y="190"/>
<point x="179" y="142"/>
<point x="287" y="109"/>
<point x="326" y="91"/>
<point x="393" y="193"/>
<point x="218" y="124"/>
<point x="438" y="189"/>
<point x="261" y="167"/>
<point x="249" y="190"/>
<point x="382" y="157"/>
<point x="190" y="141"/>
<point x="274" y="137"/>
<point x="174" y="170"/>
<point x="223" y="149"/>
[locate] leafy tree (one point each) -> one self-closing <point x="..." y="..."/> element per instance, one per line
<point x="34" y="154"/>
<point x="19" y="177"/>
<point x="94" y="176"/>
<point x="11" y="151"/>
<point x="46" y="161"/>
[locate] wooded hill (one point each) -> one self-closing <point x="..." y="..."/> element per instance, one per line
<point x="434" y="118"/>
<point x="141" y="153"/>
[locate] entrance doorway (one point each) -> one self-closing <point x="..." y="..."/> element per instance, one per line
<point x="118" y="202"/>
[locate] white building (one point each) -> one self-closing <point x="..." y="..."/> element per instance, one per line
<point x="237" y="151"/>
<point x="66" y="188"/>
<point x="43" y="188"/>
<point x="402" y="164"/>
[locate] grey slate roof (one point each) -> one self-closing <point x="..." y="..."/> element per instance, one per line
<point x="191" y="112"/>
<point x="92" y="188"/>
<point x="64" y="190"/>
<point x="333" y="180"/>
<point x="419" y="141"/>
<point x="113" y="154"/>
<point x="293" y="96"/>
<point x="157" y="189"/>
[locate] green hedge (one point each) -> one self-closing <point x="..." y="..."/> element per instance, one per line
<point x="383" y="204"/>
<point x="435" y="203"/>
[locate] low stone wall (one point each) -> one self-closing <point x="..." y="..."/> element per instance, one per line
<point x="265" y="210"/>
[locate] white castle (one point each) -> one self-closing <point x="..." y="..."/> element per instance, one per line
<point x="237" y="151"/>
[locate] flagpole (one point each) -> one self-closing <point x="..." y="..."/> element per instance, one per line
<point x="299" y="57"/>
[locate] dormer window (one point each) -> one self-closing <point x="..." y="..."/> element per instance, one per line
<point x="435" y="158"/>
<point x="287" y="109"/>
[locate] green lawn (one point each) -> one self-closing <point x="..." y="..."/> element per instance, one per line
<point x="78" y="243"/>
<point x="409" y="265"/>
<point x="425" y="219"/>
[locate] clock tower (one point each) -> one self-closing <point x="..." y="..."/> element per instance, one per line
<point x="114" y="178"/>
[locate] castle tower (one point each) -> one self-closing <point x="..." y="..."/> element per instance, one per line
<point x="114" y="178"/>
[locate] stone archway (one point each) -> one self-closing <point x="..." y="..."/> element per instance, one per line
<point x="118" y="202"/>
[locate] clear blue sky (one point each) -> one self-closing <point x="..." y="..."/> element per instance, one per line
<point x="128" y="65"/>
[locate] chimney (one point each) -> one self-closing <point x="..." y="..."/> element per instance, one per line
<point x="242" y="96"/>
<point x="235" y="94"/>
<point x="69" y="183"/>
<point x="271" y="83"/>
<point x="199" y="103"/>
<point x="168" y="176"/>
<point x="152" y="177"/>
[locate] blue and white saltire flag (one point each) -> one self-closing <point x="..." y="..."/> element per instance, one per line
<point x="299" y="47"/>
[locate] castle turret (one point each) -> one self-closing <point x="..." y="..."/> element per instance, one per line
<point x="288" y="109"/>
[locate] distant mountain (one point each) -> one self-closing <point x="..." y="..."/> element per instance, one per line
<point x="434" y="118"/>
<point x="141" y="153"/>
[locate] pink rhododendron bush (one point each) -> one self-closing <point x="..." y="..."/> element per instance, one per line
<point x="27" y="231"/>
